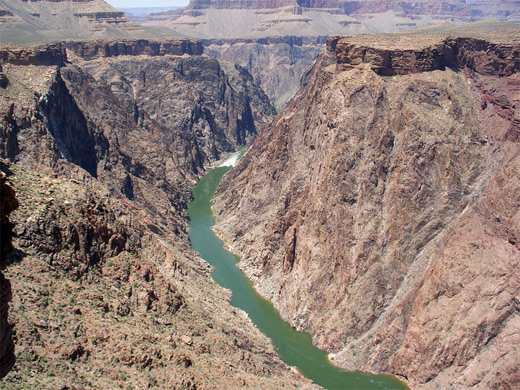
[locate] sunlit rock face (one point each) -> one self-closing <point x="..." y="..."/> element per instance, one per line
<point x="379" y="209"/>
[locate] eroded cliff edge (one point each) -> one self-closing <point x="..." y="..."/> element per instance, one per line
<point x="379" y="210"/>
<point x="101" y="141"/>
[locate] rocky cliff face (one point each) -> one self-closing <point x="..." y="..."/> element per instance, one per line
<point x="102" y="150"/>
<point x="27" y="22"/>
<point x="276" y="63"/>
<point x="476" y="55"/>
<point x="52" y="54"/>
<point x="8" y="204"/>
<point x="266" y="36"/>
<point x="372" y="210"/>
<point x="90" y="50"/>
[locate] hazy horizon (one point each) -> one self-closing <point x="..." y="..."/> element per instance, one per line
<point x="147" y="4"/>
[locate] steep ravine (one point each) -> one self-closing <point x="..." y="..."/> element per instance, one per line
<point x="102" y="141"/>
<point x="378" y="211"/>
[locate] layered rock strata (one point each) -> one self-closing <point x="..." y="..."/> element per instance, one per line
<point x="204" y="19"/>
<point x="27" y="22"/>
<point x="102" y="49"/>
<point x="372" y="210"/>
<point x="102" y="151"/>
<point x="52" y="54"/>
<point x="477" y="55"/>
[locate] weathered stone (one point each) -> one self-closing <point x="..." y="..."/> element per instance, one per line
<point x="186" y="340"/>
<point x="103" y="49"/>
<point x="379" y="213"/>
<point x="477" y="55"/>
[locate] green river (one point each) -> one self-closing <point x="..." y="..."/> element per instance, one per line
<point x="295" y="348"/>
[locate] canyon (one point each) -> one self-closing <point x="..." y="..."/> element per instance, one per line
<point x="276" y="40"/>
<point x="379" y="209"/>
<point x="212" y="19"/>
<point x="101" y="140"/>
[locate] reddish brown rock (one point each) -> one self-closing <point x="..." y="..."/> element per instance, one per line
<point x="52" y="54"/>
<point x="477" y="55"/>
<point x="380" y="212"/>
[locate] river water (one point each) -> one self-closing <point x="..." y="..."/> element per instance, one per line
<point x="294" y="348"/>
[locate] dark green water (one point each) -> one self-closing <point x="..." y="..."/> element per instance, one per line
<point x="294" y="348"/>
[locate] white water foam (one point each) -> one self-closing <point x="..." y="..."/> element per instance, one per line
<point x="231" y="160"/>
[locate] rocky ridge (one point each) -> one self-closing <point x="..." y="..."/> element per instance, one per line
<point x="102" y="149"/>
<point x="27" y="22"/>
<point x="372" y="210"/>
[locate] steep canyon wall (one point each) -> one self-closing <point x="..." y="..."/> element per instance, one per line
<point x="102" y="141"/>
<point x="378" y="210"/>
<point x="276" y="63"/>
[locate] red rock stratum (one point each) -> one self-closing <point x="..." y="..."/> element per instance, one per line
<point x="379" y="210"/>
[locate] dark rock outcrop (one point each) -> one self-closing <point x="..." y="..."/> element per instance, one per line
<point x="100" y="49"/>
<point x="8" y="204"/>
<point x="477" y="55"/>
<point x="372" y="210"/>
<point x="276" y="63"/>
<point x="4" y="81"/>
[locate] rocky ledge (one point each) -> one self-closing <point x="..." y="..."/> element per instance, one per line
<point x="56" y="53"/>
<point x="51" y="54"/>
<point x="100" y="49"/>
<point x="480" y="56"/>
